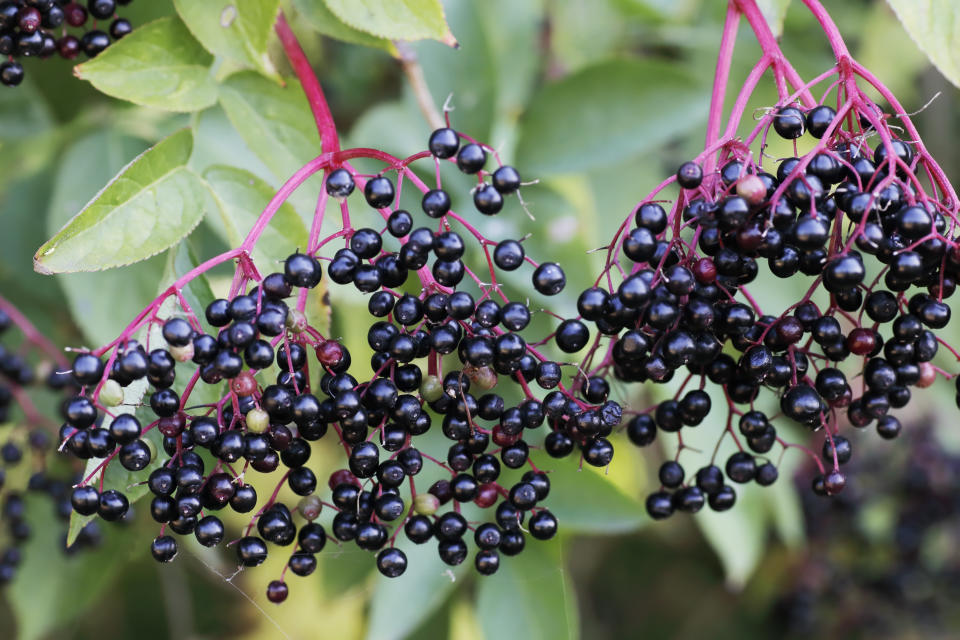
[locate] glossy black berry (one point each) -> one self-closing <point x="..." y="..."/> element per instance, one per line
<point x="471" y="158"/>
<point x="549" y="279"/>
<point x="340" y="183"/>
<point x="444" y="143"/>
<point x="789" y="122"/>
<point x="689" y="175"/>
<point x="379" y="192"/>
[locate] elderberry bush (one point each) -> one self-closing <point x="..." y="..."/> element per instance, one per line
<point x="44" y="28"/>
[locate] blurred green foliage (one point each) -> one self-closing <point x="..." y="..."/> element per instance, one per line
<point x="595" y="99"/>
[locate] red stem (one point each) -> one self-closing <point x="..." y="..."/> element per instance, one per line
<point x="329" y="140"/>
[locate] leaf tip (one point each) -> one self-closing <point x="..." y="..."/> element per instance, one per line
<point x="39" y="266"/>
<point x="449" y="40"/>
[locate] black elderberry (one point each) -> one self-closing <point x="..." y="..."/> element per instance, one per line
<point x="508" y="255"/>
<point x="789" y="122"/>
<point x="549" y="279"/>
<point x="818" y="120"/>
<point x="436" y="203"/>
<point x="741" y="467"/>
<point x="94" y="42"/>
<point x="471" y="158"/>
<point x="119" y="28"/>
<point x="506" y="180"/>
<point x="659" y="505"/>
<point x="391" y="562"/>
<point x="487" y="199"/>
<point x="689" y="175"/>
<point x="164" y="548"/>
<point x="379" y="192"/>
<point x="444" y="143"/>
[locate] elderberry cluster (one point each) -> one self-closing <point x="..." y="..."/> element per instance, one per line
<point x="27" y="466"/>
<point x="881" y="256"/>
<point x="39" y="29"/>
<point x="439" y="349"/>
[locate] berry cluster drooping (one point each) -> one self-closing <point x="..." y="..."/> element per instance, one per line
<point x="30" y="369"/>
<point x="42" y="28"/>
<point x="448" y="356"/>
<point x="866" y="216"/>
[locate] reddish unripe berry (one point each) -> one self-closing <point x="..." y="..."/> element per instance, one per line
<point x="502" y="439"/>
<point x="329" y="353"/>
<point x="277" y="591"/>
<point x="928" y="375"/>
<point x="844" y="400"/>
<point x="704" y="271"/>
<point x="68" y="47"/>
<point x="749" y="238"/>
<point x="172" y="426"/>
<point x="752" y="189"/>
<point x="861" y="341"/>
<point x="834" y="482"/>
<point x="74" y="14"/>
<point x="342" y="476"/>
<point x="789" y="329"/>
<point x="244" y="384"/>
<point x="30" y="19"/>
<point x="486" y="495"/>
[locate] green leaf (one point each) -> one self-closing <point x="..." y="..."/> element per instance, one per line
<point x="400" y="605"/>
<point x="100" y="303"/>
<point x="243" y="196"/>
<point x="151" y="204"/>
<point x="890" y="55"/>
<point x="935" y="26"/>
<point x="605" y="113"/>
<point x="274" y="121"/>
<point x="607" y="510"/>
<point x="236" y="29"/>
<point x="321" y="19"/>
<point x="774" y="11"/>
<point x="530" y="597"/>
<point x="395" y="19"/>
<point x="158" y="65"/>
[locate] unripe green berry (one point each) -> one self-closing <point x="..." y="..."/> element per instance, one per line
<point x="431" y="389"/>
<point x="182" y="354"/>
<point x="310" y="507"/>
<point x="426" y="504"/>
<point x="257" y="421"/>
<point x="296" y="321"/>
<point x="111" y="394"/>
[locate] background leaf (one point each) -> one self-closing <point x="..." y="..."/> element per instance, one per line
<point x="158" y="65"/>
<point x="934" y="26"/>
<point x="395" y="19"/>
<point x="93" y="299"/>
<point x="591" y="118"/>
<point x="401" y="604"/>
<point x="242" y="197"/>
<point x="534" y="581"/>
<point x="236" y="29"/>
<point x="321" y="19"/>
<point x="151" y="204"/>
<point x="774" y="11"/>
<point x="587" y="502"/>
